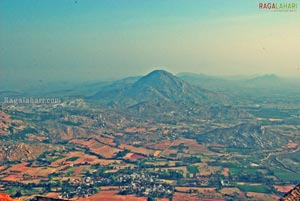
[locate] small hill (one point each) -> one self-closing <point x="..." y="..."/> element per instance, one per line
<point x="265" y="81"/>
<point x="21" y="152"/>
<point x="243" y="136"/>
<point x="265" y="78"/>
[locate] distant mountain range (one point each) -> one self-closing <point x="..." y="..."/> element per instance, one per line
<point x="269" y="81"/>
<point x="162" y="85"/>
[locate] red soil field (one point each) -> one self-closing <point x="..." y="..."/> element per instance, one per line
<point x="262" y="196"/>
<point x="153" y="129"/>
<point x="2" y="168"/>
<point x="119" y="134"/>
<point x="185" y="197"/>
<point x="109" y="188"/>
<point x="135" y="130"/>
<point x="156" y="153"/>
<point x="5" y="197"/>
<point x="22" y="167"/>
<point x="83" y="158"/>
<point x="163" y="145"/>
<point x="104" y="150"/>
<point x="84" y="143"/>
<point x="193" y="145"/>
<point x="284" y="189"/>
<point x="22" y="173"/>
<point x="112" y="196"/>
<point x="53" y="195"/>
<point x="133" y="156"/>
<point x="200" y="189"/>
<point x="225" y="172"/>
<point x="12" y="178"/>
<point x="106" y="140"/>
<point x="97" y="147"/>
<point x="140" y="150"/>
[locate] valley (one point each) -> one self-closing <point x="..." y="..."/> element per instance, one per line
<point x="159" y="137"/>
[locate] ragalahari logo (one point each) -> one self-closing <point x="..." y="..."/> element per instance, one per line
<point x="279" y="7"/>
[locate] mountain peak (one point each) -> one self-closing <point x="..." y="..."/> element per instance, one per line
<point x="158" y="75"/>
<point x="160" y="72"/>
<point x="159" y="79"/>
<point x="159" y="85"/>
<point x="164" y="85"/>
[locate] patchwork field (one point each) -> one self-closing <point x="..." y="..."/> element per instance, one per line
<point x="112" y="195"/>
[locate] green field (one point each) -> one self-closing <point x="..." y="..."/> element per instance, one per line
<point x="243" y="170"/>
<point x="192" y="169"/>
<point x="254" y="188"/>
<point x="72" y="158"/>
<point x="286" y="176"/>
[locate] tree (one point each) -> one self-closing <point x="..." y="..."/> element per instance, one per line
<point x="18" y="194"/>
<point x="96" y="189"/>
<point x="50" y="177"/>
<point x="193" y="169"/>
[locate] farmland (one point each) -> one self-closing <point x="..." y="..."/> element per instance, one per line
<point x="85" y="150"/>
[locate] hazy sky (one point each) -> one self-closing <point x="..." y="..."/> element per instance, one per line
<point x="96" y="39"/>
